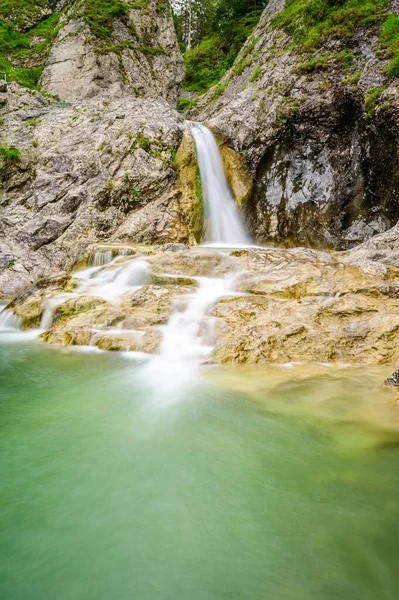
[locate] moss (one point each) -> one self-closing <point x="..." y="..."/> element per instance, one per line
<point x="143" y="142"/>
<point x="219" y="91"/>
<point x="345" y="57"/>
<point x="314" y="64"/>
<point x="353" y="79"/>
<point x="256" y="74"/>
<point x="185" y="104"/>
<point x="311" y="22"/>
<point x="372" y="100"/>
<point x="389" y="41"/>
<point x="10" y="154"/>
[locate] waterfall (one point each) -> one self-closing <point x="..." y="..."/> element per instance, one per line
<point x="188" y="340"/>
<point x="223" y="225"/>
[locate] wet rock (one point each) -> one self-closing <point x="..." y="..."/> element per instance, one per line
<point x="324" y="166"/>
<point x="393" y="380"/>
<point x="291" y="305"/>
<point x="87" y="180"/>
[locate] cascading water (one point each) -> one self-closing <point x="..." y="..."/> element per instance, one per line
<point x="187" y="337"/>
<point x="223" y="225"/>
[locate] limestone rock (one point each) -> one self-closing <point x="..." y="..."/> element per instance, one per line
<point x="85" y="170"/>
<point x="290" y="305"/>
<point x="140" y="57"/>
<point x="324" y="167"/>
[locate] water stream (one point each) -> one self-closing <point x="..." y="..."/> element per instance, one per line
<point x="269" y="484"/>
<point x="223" y="224"/>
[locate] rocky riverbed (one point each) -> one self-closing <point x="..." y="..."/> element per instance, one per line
<point x="284" y="305"/>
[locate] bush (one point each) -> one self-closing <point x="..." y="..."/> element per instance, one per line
<point x="310" y="22"/>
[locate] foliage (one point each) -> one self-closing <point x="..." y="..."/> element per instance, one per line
<point x="310" y="22"/>
<point x="372" y="99"/>
<point x="16" y="50"/>
<point x="208" y="62"/>
<point x="100" y="14"/>
<point x="390" y="42"/>
<point x="185" y="104"/>
<point x="10" y="154"/>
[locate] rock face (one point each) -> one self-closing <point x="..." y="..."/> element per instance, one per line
<point x="24" y="15"/>
<point x="136" y="54"/>
<point x="83" y="171"/>
<point x="290" y="305"/>
<point x="320" y="138"/>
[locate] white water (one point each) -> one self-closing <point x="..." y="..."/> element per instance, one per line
<point x="188" y="336"/>
<point x="188" y="340"/>
<point x="112" y="282"/>
<point x="222" y="225"/>
<point x="95" y="280"/>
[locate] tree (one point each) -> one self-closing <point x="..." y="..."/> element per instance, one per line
<point x="195" y="18"/>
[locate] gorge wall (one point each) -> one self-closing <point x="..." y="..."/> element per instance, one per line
<point x="94" y="159"/>
<point x="318" y="128"/>
<point x="95" y="151"/>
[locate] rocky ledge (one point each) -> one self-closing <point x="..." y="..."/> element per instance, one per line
<point x="286" y="305"/>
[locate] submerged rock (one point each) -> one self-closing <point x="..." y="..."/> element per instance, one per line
<point x="393" y="380"/>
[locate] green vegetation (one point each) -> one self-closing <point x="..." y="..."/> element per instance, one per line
<point x="310" y="22"/>
<point x="372" y="100"/>
<point x="16" y="50"/>
<point x="143" y="142"/>
<point x="219" y="91"/>
<point x="390" y="43"/>
<point x="314" y="64"/>
<point x="256" y="74"/>
<point x="225" y="34"/>
<point x="100" y="14"/>
<point x="185" y="104"/>
<point x="345" y="57"/>
<point x="9" y="158"/>
<point x="353" y="79"/>
<point x="22" y="12"/>
<point x="10" y="154"/>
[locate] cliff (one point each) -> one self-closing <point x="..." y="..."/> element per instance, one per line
<point x="90" y="154"/>
<point x="313" y="106"/>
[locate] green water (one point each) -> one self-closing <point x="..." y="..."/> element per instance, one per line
<point x="107" y="495"/>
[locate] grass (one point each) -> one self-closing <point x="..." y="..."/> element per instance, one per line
<point x="314" y="64"/>
<point x="100" y="15"/>
<point x="256" y="74"/>
<point x="10" y="154"/>
<point x="22" y="12"/>
<point x="311" y="22"/>
<point x="219" y="91"/>
<point x="185" y="104"/>
<point x="345" y="57"/>
<point x="16" y="50"/>
<point x="372" y="100"/>
<point x="389" y="41"/>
